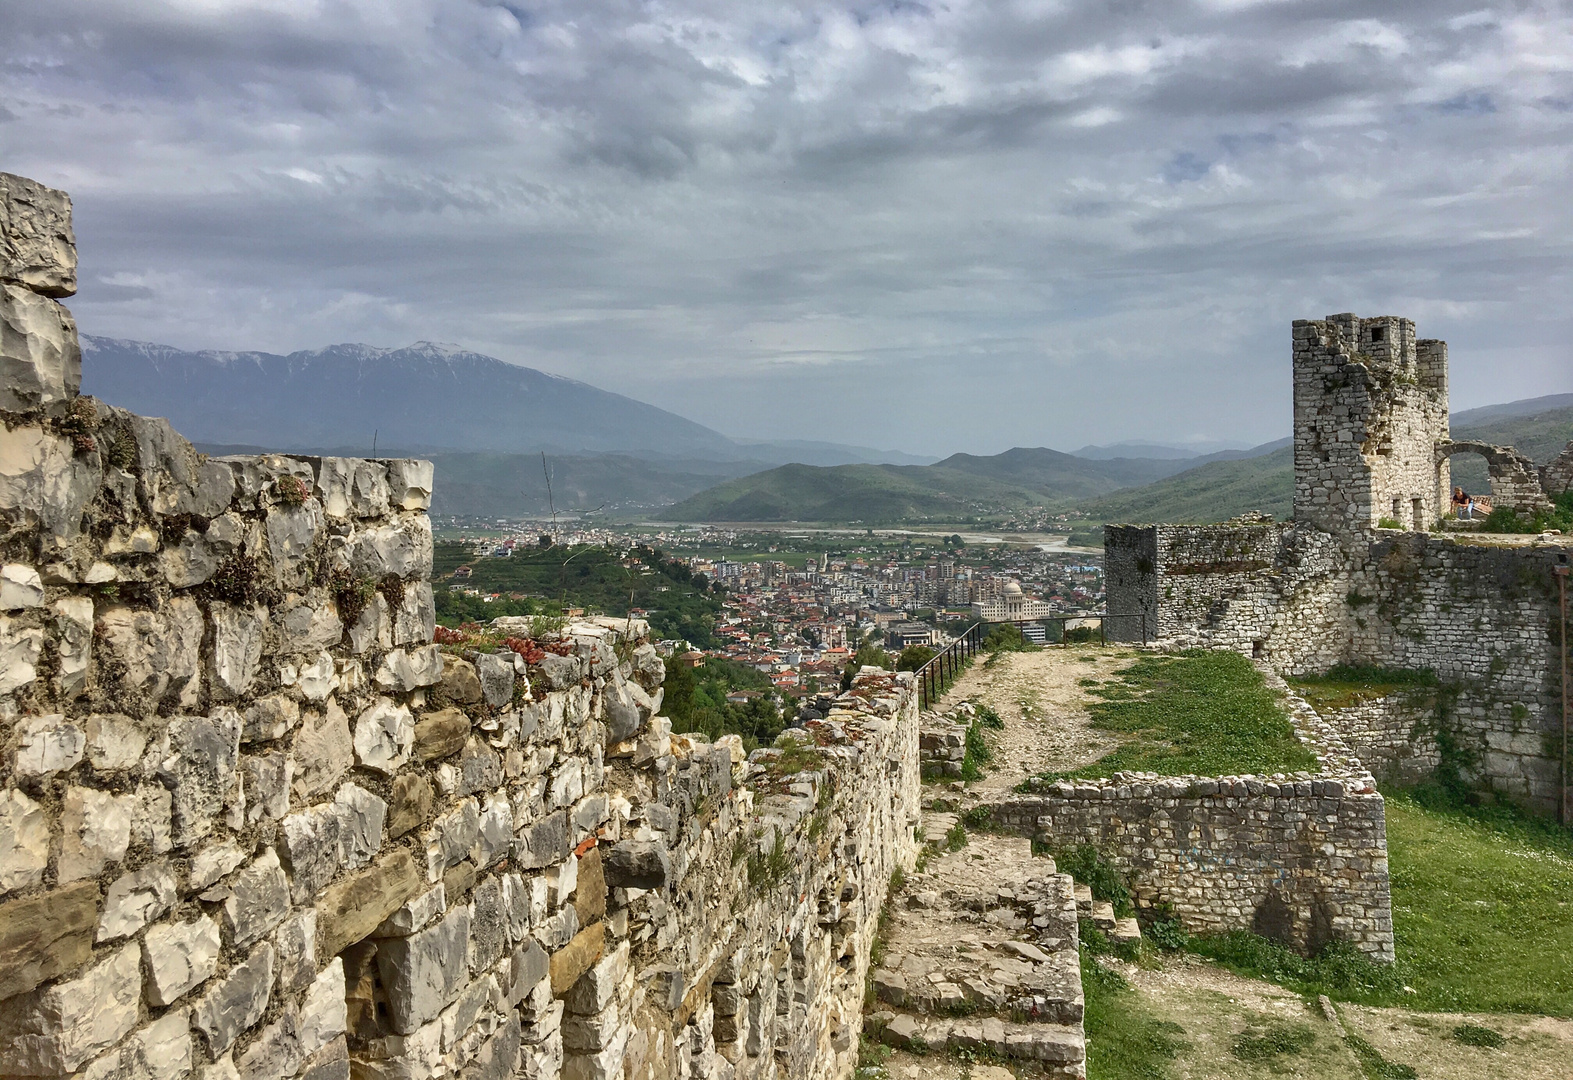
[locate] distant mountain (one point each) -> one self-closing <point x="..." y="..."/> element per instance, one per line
<point x="1136" y="448"/>
<point x="1523" y="407"/>
<point x="1060" y="476"/>
<point x="809" y="452"/>
<point x="425" y="399"/>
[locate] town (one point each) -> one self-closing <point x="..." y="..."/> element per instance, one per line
<point x="797" y="605"/>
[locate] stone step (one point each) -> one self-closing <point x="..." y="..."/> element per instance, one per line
<point x="1084" y="901"/>
<point x="936" y="826"/>
<point x="1103" y="915"/>
<point x="1056" y="1045"/>
<point x="1125" y="932"/>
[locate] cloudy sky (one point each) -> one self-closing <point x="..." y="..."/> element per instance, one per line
<point x="926" y="225"/>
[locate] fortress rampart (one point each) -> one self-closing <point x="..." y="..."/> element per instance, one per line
<point x="255" y="824"/>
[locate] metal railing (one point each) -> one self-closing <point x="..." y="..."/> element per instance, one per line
<point x="935" y="676"/>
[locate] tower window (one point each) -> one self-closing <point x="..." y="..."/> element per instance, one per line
<point x="1378" y="334"/>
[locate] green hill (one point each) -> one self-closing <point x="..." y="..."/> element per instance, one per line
<point x="1223" y="489"/>
<point x="860" y="493"/>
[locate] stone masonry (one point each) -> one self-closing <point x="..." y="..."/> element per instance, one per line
<point x="256" y="824"/>
<point x="1371" y="442"/>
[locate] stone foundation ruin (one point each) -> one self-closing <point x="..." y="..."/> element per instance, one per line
<point x="1337" y="585"/>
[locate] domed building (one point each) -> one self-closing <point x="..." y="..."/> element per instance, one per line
<point x="1012" y="606"/>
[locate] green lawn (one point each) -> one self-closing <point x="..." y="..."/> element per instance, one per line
<point x="1482" y="909"/>
<point x="1201" y="712"/>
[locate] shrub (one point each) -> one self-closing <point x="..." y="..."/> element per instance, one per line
<point x="1475" y="1035"/>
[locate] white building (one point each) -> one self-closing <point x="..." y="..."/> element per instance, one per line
<point x="1011" y="606"/>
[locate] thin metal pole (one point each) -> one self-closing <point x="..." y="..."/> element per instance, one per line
<point x="1562" y="597"/>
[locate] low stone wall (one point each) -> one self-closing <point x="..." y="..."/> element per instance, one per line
<point x="1300" y="858"/>
<point x="1393" y="735"/>
<point x="255" y="823"/>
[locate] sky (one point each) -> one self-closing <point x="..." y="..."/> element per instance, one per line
<point x="927" y="226"/>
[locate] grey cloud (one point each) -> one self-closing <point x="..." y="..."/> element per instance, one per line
<point x="943" y="227"/>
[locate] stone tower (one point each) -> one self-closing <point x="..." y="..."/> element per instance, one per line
<point x="1370" y="407"/>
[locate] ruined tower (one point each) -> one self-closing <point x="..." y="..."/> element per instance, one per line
<point x="1370" y="408"/>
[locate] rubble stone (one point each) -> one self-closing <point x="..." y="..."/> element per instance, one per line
<point x="95" y="830"/>
<point x="384" y="736"/>
<point x="48" y="744"/>
<point x="53" y="1031"/>
<point x="134" y="900"/>
<point x="257" y="901"/>
<point x="178" y="957"/>
<point x="45" y="936"/>
<point x="424" y="972"/>
<point x="24" y="841"/>
<point x="236" y="1002"/>
<point x="37" y="244"/>
<point x="40" y="360"/>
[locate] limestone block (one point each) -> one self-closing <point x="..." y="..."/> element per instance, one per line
<point x="45" y="936"/>
<point x="544" y="843"/>
<point x="190" y="562"/>
<point x="213" y="861"/>
<point x="496" y="676"/>
<point x="373" y="627"/>
<point x="603" y="1065"/>
<point x="498" y="1057"/>
<point x="20" y="587"/>
<point x="160" y="651"/>
<point x="384" y="736"/>
<point x="95" y="830"/>
<point x="275" y="1053"/>
<point x="412" y="803"/>
<point x="322" y="1014"/>
<point x="308" y="623"/>
<point x="480" y="769"/>
<point x="495" y="833"/>
<point x="200" y="771"/>
<point x="309" y="845"/>
<point x="266" y="778"/>
<point x="332" y="1062"/>
<point x="43" y="481"/>
<point x="455" y="833"/>
<point x="323" y="749"/>
<point x="622" y="714"/>
<point x="361" y="815"/>
<point x="37" y="244"/>
<point x="237" y="648"/>
<point x="409" y="483"/>
<point x="74" y="627"/>
<point x="561" y="672"/>
<point x="403" y="671"/>
<point x="295" y="948"/>
<point x="402" y="548"/>
<point x="596" y="989"/>
<point x="160" y="1051"/>
<point x="460" y="682"/>
<point x="133" y="900"/>
<point x="52" y="1032"/>
<point x="354" y="906"/>
<point x="590" y="889"/>
<point x="47" y="745"/>
<point x="574" y="959"/>
<point x="353" y="487"/>
<point x="270" y="718"/>
<point x="414" y="915"/>
<point x="175" y="479"/>
<point x="591" y="1034"/>
<point x="488" y="924"/>
<point x="292" y="534"/>
<point x="179" y="957"/>
<point x="440" y="733"/>
<point x="114" y="742"/>
<point x="424" y="972"/>
<point x="24" y="841"/>
<point x="257" y="900"/>
<point x="40" y="360"/>
<point x="236" y="1002"/>
<point x="636" y="864"/>
<point x="317" y="679"/>
<point x="20" y="648"/>
<point x="256" y="477"/>
<point x="415" y="619"/>
<point x="458" y="1018"/>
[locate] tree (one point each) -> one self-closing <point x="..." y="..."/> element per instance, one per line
<point x="914" y="657"/>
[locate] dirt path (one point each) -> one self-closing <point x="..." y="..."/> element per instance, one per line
<point x="1216" y="1007"/>
<point x="1040" y="698"/>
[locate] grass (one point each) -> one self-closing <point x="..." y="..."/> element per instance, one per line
<point x="1482" y="914"/>
<point x="1201" y="712"/>
<point x="1350" y="684"/>
<point x="1482" y="906"/>
<point x="1265" y="1046"/>
<point x="1124" y="1040"/>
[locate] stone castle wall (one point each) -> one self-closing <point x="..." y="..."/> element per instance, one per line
<point x="1370" y="405"/>
<point x="255" y="823"/>
<point x="1300" y="858"/>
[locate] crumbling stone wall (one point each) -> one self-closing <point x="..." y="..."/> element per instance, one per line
<point x="1556" y="477"/>
<point x="255" y="823"/>
<point x="1301" y="858"/>
<point x="1370" y="405"/>
<point x="1515" y="480"/>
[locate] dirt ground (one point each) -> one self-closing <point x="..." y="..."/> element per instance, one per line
<point x="1040" y="698"/>
<point x="1215" y="1007"/>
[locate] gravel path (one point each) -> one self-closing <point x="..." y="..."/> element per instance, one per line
<point x="1040" y="698"/>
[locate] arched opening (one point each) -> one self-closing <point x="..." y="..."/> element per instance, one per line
<point x="1511" y="480"/>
